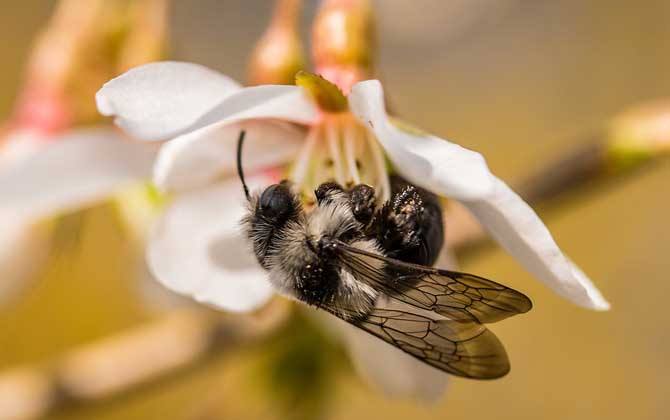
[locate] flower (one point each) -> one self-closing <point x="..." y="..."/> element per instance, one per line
<point x="47" y="166"/>
<point x="152" y="102"/>
<point x="42" y="176"/>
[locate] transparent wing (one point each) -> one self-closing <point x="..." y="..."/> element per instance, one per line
<point x="454" y="295"/>
<point x="466" y="349"/>
<point x="459" y="343"/>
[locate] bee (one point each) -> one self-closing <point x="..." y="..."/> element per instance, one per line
<point x="370" y="266"/>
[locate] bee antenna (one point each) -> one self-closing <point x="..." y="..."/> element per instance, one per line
<point x="240" y="140"/>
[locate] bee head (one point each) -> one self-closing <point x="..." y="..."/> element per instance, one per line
<point x="277" y="203"/>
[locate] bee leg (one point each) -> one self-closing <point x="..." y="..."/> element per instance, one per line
<point x="409" y="226"/>
<point x="362" y="200"/>
<point x="327" y="191"/>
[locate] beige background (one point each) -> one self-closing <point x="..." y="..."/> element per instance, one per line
<point x="518" y="81"/>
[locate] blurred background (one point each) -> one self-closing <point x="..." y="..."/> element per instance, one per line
<point x="519" y="81"/>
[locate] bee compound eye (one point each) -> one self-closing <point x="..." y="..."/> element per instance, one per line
<point x="276" y="202"/>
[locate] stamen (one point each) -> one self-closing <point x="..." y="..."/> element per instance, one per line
<point x="321" y="168"/>
<point x="384" y="185"/>
<point x="350" y="153"/>
<point x="304" y="157"/>
<point x="333" y="138"/>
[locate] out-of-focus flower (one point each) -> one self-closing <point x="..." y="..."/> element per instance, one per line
<point x="47" y="166"/>
<point x="278" y="55"/>
<point x="196" y="248"/>
<point x="638" y="135"/>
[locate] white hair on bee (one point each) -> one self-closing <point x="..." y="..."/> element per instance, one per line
<point x="290" y="254"/>
<point x="361" y="294"/>
<point x="292" y="248"/>
<point x="332" y="217"/>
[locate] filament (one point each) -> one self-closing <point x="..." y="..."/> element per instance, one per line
<point x="350" y="153"/>
<point x="304" y="156"/>
<point x="380" y="166"/>
<point x="332" y="136"/>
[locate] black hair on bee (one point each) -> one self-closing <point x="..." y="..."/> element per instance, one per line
<point x="347" y="256"/>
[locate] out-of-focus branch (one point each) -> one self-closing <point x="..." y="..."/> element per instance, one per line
<point x="567" y="174"/>
<point x="636" y="139"/>
<point x="121" y="362"/>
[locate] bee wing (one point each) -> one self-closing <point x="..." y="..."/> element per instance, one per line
<point x="466" y="349"/>
<point x="454" y="295"/>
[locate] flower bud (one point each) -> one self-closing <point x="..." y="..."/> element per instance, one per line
<point x="279" y="55"/>
<point x="83" y="45"/>
<point x="639" y="134"/>
<point x="343" y="41"/>
<point x="146" y="37"/>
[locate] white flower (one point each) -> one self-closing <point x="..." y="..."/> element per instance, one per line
<point x="197" y="248"/>
<point x="43" y="175"/>
<point x="157" y="100"/>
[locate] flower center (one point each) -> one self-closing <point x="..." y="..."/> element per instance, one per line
<point x="343" y="150"/>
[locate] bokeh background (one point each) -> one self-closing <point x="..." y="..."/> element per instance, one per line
<point x="519" y="81"/>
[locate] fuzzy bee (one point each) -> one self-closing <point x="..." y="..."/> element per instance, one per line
<point x="370" y="266"/>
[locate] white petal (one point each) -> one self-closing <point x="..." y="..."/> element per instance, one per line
<point x="202" y="156"/>
<point x="452" y="171"/>
<point x="156" y="297"/>
<point x="159" y="100"/>
<point x="197" y="249"/>
<point x="73" y="171"/>
<point x="138" y="208"/>
<point x="396" y="373"/>
<point x="281" y="102"/>
<point x="514" y="224"/>
<point x="435" y="164"/>
<point x="18" y="145"/>
<point x="24" y="246"/>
